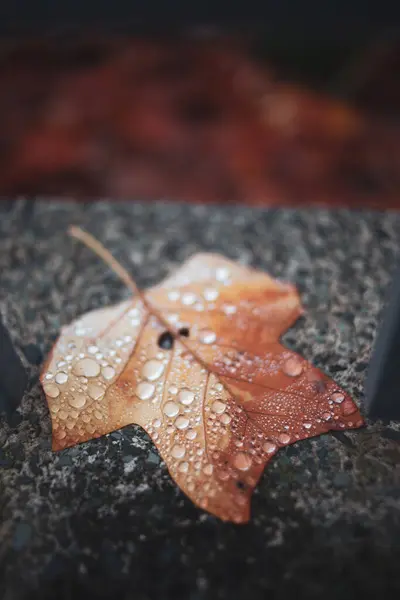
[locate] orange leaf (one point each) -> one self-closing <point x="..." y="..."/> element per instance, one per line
<point x="197" y="363"/>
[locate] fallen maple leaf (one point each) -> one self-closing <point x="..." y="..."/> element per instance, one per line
<point x="197" y="363"/>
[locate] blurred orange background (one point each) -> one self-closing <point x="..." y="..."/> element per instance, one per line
<point x="195" y="119"/>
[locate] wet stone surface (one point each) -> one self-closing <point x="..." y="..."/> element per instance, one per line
<point x="104" y="518"/>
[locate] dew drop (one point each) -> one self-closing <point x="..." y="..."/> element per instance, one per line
<point x="156" y="423"/>
<point x="145" y="390"/>
<point x="61" y="378"/>
<point x="62" y="415"/>
<point x="347" y="407"/>
<point x="108" y="372"/>
<point x="337" y="397"/>
<point x="93" y="349"/>
<point x="222" y="274"/>
<point x="218" y="407"/>
<point x="326" y="416"/>
<point x="77" y="400"/>
<point x="61" y="363"/>
<point x="182" y="423"/>
<point x="98" y="415"/>
<point x="49" y="376"/>
<point x="307" y="425"/>
<point x="86" y="367"/>
<point x="188" y="298"/>
<point x="173" y="295"/>
<point x="242" y="461"/>
<point x="210" y="294"/>
<point x="225" y="419"/>
<point x="51" y="390"/>
<point x="206" y="336"/>
<point x="178" y="451"/>
<point x="208" y="469"/>
<point x="269" y="447"/>
<point x="183" y="467"/>
<point x="284" y="438"/>
<point x="171" y="409"/>
<point x="152" y="370"/>
<point x="186" y="397"/>
<point x="191" y="434"/>
<point x="292" y="367"/>
<point x="173" y="390"/>
<point x="229" y="309"/>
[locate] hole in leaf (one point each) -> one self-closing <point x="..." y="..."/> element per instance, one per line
<point x="166" y="341"/>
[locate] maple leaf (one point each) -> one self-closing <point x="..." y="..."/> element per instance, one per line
<point x="197" y="363"/>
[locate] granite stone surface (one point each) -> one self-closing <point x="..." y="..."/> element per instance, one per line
<point x="104" y="519"/>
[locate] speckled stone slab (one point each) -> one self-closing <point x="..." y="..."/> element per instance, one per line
<point x="104" y="519"/>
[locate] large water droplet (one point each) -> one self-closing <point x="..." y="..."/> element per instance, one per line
<point x="86" y="367"/>
<point x="225" y="419"/>
<point x="292" y="367"/>
<point x="337" y="397"/>
<point x="284" y="438"/>
<point x="95" y="391"/>
<point x="152" y="370"/>
<point x="108" y="372"/>
<point x="145" y="390"/>
<point x="182" y="423"/>
<point x="206" y="336"/>
<point x="51" y="390"/>
<point x="171" y="409"/>
<point x="210" y="294"/>
<point x="218" y="407"/>
<point x="307" y="425"/>
<point x="269" y="447"/>
<point x="347" y="407"/>
<point x="61" y="378"/>
<point x="178" y="451"/>
<point x="242" y="461"/>
<point x="191" y="434"/>
<point x="78" y="400"/>
<point x="186" y="396"/>
<point x="326" y="416"/>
